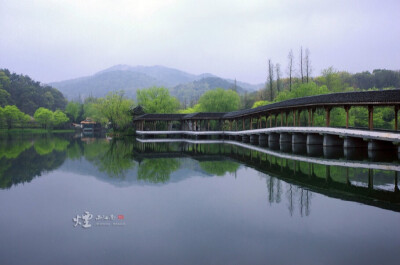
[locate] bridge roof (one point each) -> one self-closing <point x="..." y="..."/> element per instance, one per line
<point x="205" y="115"/>
<point x="380" y="98"/>
<point x="158" y="117"/>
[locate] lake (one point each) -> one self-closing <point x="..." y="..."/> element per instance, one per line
<point x="72" y="199"/>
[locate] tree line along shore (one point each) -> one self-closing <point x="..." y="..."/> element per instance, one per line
<point x="25" y="103"/>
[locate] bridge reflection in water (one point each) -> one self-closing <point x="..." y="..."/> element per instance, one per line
<point x="317" y="169"/>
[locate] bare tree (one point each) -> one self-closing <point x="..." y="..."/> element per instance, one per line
<point x="271" y="79"/>
<point x="278" y="77"/>
<point x="290" y="68"/>
<point x="307" y="63"/>
<point x="301" y="64"/>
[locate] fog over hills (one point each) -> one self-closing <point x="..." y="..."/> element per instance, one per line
<point x="183" y="85"/>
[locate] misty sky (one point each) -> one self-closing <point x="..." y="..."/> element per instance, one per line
<point x="53" y="40"/>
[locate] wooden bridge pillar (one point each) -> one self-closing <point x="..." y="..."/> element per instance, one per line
<point x="294" y="118"/>
<point x="286" y="118"/>
<point x="371" y="117"/>
<point x="312" y="116"/>
<point x="298" y="117"/>
<point x="328" y="116"/>
<point x="347" y="108"/>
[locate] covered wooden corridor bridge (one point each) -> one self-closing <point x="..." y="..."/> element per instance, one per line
<point x="271" y="122"/>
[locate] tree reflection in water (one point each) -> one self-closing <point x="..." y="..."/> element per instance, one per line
<point x="24" y="157"/>
<point x="219" y="168"/>
<point x="157" y="170"/>
<point x="112" y="157"/>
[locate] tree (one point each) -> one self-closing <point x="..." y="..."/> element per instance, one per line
<point x="260" y="103"/>
<point x="301" y="64"/>
<point x="278" y="77"/>
<point x="307" y="62"/>
<point x="4" y="97"/>
<point x="271" y="79"/>
<point x="1" y="117"/>
<point x="290" y="68"/>
<point x="219" y="100"/>
<point x="74" y="110"/>
<point x="157" y="100"/>
<point x="44" y="117"/>
<point x="12" y="115"/>
<point x="116" y="109"/>
<point x="59" y="118"/>
<point x="27" y="94"/>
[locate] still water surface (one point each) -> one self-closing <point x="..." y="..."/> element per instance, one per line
<point x="191" y="203"/>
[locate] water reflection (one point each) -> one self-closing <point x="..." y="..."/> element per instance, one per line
<point x="157" y="170"/>
<point x="291" y="171"/>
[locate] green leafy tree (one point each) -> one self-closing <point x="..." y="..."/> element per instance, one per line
<point x="116" y="109"/>
<point x="12" y="115"/>
<point x="219" y="100"/>
<point x="157" y="100"/>
<point x="59" y="118"/>
<point x="74" y="110"/>
<point x="2" y="122"/>
<point x="44" y="116"/>
<point x="4" y="97"/>
<point x="27" y="94"/>
<point x="302" y="90"/>
<point x="91" y="109"/>
<point x="260" y="103"/>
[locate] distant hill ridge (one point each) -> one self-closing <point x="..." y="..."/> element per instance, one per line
<point x="183" y="85"/>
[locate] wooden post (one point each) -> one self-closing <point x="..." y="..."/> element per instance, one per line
<point x="286" y="118"/>
<point x="309" y="117"/>
<point x="294" y="118"/>
<point x="281" y="119"/>
<point x="270" y="121"/>
<point x="259" y="121"/>
<point x="328" y="116"/>
<point x="371" y="117"/>
<point x="346" y="108"/>
<point x="243" y="124"/>
<point x="312" y="117"/>
<point x="298" y="116"/>
<point x="251" y="123"/>
<point x="396" y="110"/>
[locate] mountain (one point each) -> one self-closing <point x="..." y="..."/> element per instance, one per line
<point x="169" y="76"/>
<point x="100" y="84"/>
<point x="131" y="78"/>
<point x="193" y="90"/>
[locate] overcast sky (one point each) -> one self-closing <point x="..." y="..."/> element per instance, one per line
<point x="53" y="40"/>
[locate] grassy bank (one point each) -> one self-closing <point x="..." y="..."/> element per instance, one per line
<point x="33" y="130"/>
